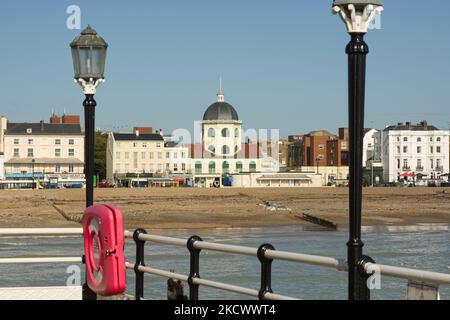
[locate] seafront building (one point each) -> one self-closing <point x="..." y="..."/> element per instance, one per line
<point x="139" y="157"/>
<point x="43" y="153"/>
<point x="414" y="152"/>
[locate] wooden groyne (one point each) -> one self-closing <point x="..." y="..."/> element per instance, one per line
<point x="319" y="221"/>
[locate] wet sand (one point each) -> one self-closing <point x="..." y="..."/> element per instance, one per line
<point x="225" y="208"/>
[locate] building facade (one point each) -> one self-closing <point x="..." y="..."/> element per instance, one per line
<point x="222" y="151"/>
<point x="134" y="155"/>
<point x="415" y="152"/>
<point x="46" y="152"/>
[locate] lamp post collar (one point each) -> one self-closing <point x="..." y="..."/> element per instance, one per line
<point x="357" y="17"/>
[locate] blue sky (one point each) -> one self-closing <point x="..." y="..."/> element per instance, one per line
<point x="283" y="62"/>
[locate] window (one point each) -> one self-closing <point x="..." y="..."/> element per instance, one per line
<point x="252" y="166"/>
<point x="225" y="167"/>
<point x="160" y="155"/>
<point x="212" y="167"/>
<point x="71" y="152"/>
<point x="419" y="163"/>
<point x="158" y="145"/>
<point x="127" y="155"/>
<point x="212" y="150"/>
<point x="30" y="141"/>
<point x="71" y="142"/>
<point x="438" y="164"/>
<point x="431" y="139"/>
<point x="117" y="155"/>
<point x="58" y="168"/>
<point x="405" y="164"/>
<point x="225" y="150"/>
<point x="198" y="167"/>
<point x="419" y="149"/>
<point x="239" y="166"/>
<point x="135" y="145"/>
<point x="398" y="163"/>
<point x="16" y="141"/>
<point x="58" y="142"/>
<point x="432" y="163"/>
<point x="135" y="160"/>
<point x="71" y="168"/>
<point x="167" y="166"/>
<point x="117" y="167"/>
<point x="143" y="155"/>
<point x="175" y="155"/>
<point x="57" y="152"/>
<point x="236" y="133"/>
<point x="419" y="139"/>
<point x="405" y="139"/>
<point x="211" y="133"/>
<point x="398" y="139"/>
<point x="225" y="133"/>
<point x="144" y="145"/>
<point x="438" y="139"/>
<point x="30" y="153"/>
<point x="405" y="149"/>
<point x="144" y="167"/>
<point x="438" y="149"/>
<point x="167" y="155"/>
<point x="151" y="155"/>
<point x="16" y="153"/>
<point x="183" y="155"/>
<point x="127" y="168"/>
<point x="398" y="149"/>
<point x="183" y="167"/>
<point x="431" y="149"/>
<point x="175" y="167"/>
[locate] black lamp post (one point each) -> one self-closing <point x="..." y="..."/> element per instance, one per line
<point x="357" y="16"/>
<point x="89" y="57"/>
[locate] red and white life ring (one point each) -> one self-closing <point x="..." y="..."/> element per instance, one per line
<point x="104" y="250"/>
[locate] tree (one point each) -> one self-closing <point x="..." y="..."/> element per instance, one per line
<point x="101" y="139"/>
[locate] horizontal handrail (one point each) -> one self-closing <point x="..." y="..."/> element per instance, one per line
<point x="340" y="265"/>
<point x="41" y="232"/>
<point x="409" y="274"/>
<point x="157" y="272"/>
<point x="271" y="254"/>
<point x="208" y="283"/>
<point x="40" y="260"/>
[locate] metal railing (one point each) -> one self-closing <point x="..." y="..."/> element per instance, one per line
<point x="43" y="232"/>
<point x="266" y="255"/>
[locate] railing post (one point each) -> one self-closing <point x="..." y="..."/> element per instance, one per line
<point x="140" y="261"/>
<point x="194" y="267"/>
<point x="364" y="289"/>
<point x="266" y="270"/>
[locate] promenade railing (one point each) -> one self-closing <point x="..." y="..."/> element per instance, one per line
<point x="265" y="254"/>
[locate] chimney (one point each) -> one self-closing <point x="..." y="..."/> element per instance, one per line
<point x="55" y="119"/>
<point x="408" y="125"/>
<point x="137" y="133"/>
<point x="42" y="126"/>
<point x="68" y="119"/>
<point x="424" y="124"/>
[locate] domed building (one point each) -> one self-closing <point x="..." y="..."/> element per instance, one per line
<point x="223" y="151"/>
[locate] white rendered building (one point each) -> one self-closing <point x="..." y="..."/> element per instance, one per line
<point x="372" y="147"/>
<point x="222" y="151"/>
<point x="143" y="155"/>
<point x="415" y="152"/>
<point x="44" y="151"/>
